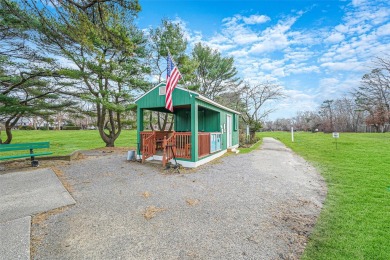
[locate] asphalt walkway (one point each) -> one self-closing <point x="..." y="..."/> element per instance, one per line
<point x="22" y="195"/>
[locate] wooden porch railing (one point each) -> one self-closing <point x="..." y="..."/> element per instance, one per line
<point x="179" y="141"/>
<point x="203" y="144"/>
<point x="169" y="148"/>
<point x="183" y="145"/>
<point x="148" y="144"/>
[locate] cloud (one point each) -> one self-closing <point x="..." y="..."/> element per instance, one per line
<point x="357" y="3"/>
<point x="274" y="38"/>
<point x="317" y="62"/>
<point x="384" y="30"/>
<point x="256" y="19"/>
<point x="335" y="38"/>
<point x="297" y="100"/>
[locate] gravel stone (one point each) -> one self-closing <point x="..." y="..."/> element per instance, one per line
<point x="260" y="205"/>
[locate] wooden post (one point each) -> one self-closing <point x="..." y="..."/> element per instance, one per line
<point x="140" y="127"/>
<point x="164" y="145"/>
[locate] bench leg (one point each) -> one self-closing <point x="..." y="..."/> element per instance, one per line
<point x="34" y="163"/>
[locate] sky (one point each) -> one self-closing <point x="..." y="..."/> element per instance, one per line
<point x="315" y="50"/>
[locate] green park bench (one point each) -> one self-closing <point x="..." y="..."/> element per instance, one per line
<point x="22" y="147"/>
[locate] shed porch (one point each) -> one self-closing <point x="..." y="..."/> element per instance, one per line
<point x="203" y="129"/>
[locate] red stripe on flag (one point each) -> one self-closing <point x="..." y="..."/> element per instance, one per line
<point x="171" y="84"/>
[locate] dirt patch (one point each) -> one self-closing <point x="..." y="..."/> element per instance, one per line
<point x="146" y="194"/>
<point x="62" y="178"/>
<point x="38" y="222"/>
<point x="151" y="211"/>
<point x="192" y="202"/>
<point x="299" y="221"/>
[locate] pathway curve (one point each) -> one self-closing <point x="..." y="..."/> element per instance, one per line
<point x="260" y="205"/>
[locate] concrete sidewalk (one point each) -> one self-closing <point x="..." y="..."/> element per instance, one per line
<point x="23" y="194"/>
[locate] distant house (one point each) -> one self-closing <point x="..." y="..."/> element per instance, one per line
<point x="203" y="129"/>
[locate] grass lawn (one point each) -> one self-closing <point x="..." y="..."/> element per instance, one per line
<point x="355" y="220"/>
<point x="67" y="141"/>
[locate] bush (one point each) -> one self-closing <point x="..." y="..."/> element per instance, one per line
<point x="26" y="127"/>
<point x="70" y="127"/>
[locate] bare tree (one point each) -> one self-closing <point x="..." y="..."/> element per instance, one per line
<point x="254" y="99"/>
<point x="373" y="95"/>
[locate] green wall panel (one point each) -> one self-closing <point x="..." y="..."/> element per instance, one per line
<point x="210" y="118"/>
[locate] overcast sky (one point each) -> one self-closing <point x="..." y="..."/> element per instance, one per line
<point x="316" y="50"/>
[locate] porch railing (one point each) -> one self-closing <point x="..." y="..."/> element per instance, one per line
<point x="203" y="144"/>
<point x="179" y="141"/>
<point x="183" y="145"/>
<point x="148" y="144"/>
<point x="169" y="148"/>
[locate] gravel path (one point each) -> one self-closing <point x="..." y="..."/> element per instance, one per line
<point x="260" y="205"/>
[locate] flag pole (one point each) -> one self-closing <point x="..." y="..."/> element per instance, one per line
<point x="169" y="53"/>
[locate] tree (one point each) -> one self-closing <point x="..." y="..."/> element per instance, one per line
<point x="30" y="83"/>
<point x="254" y="99"/>
<point x="168" y="36"/>
<point x="326" y="113"/>
<point x="104" y="51"/>
<point x="215" y="74"/>
<point x="373" y="94"/>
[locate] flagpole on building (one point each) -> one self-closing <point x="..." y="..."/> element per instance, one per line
<point x="169" y="53"/>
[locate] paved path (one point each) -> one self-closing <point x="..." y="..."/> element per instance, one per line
<point x="23" y="194"/>
<point x="260" y="205"/>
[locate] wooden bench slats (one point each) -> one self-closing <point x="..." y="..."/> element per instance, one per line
<point x="23" y="146"/>
<point x="27" y="147"/>
<point x="23" y="155"/>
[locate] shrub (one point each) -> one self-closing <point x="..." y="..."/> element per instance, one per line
<point x="26" y="127"/>
<point x="69" y="127"/>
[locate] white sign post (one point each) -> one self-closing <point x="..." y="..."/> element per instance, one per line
<point x="336" y="136"/>
<point x="247" y="134"/>
<point x="292" y="134"/>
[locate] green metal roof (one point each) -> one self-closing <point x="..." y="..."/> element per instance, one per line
<point x="180" y="96"/>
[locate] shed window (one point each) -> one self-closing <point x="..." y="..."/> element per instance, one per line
<point x="161" y="90"/>
<point x="235" y="119"/>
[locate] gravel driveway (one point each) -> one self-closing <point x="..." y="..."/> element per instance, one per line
<point x="260" y="205"/>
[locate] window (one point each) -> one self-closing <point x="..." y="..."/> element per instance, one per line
<point x="161" y="90"/>
<point x="235" y="119"/>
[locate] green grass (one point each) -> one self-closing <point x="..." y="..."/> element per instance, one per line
<point x="67" y="141"/>
<point x="250" y="149"/>
<point x="355" y="220"/>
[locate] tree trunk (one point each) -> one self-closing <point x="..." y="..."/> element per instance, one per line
<point x="165" y="122"/>
<point x="159" y="122"/>
<point x="172" y="120"/>
<point x="150" y="120"/>
<point x="114" y="129"/>
<point x="8" y="131"/>
<point x="11" y="122"/>
<point x="252" y="136"/>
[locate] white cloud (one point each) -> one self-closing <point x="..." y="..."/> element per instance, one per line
<point x="335" y="38"/>
<point x="345" y="66"/>
<point x="357" y="3"/>
<point x="274" y="38"/>
<point x="256" y="19"/>
<point x="279" y="51"/>
<point x="383" y="30"/>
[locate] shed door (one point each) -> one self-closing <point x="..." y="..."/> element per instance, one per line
<point x="229" y="127"/>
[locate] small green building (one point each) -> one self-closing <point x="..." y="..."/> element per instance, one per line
<point x="203" y="129"/>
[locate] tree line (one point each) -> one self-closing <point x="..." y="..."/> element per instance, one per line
<point x="365" y="109"/>
<point x="88" y="58"/>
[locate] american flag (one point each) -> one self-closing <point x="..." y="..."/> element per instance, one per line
<point x="173" y="76"/>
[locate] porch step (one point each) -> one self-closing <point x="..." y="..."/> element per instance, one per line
<point x="154" y="162"/>
<point x="233" y="150"/>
